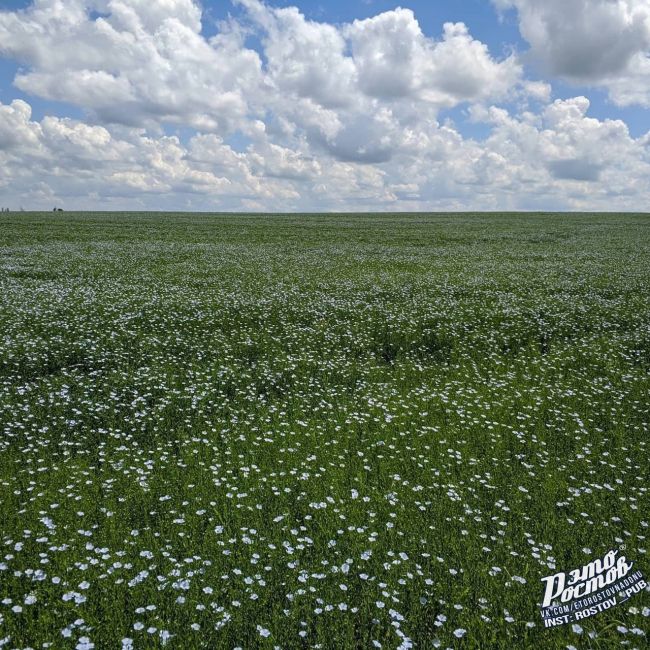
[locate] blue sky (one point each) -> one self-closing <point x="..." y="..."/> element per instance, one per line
<point x="273" y="104"/>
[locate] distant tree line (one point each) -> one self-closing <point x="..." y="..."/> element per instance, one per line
<point x="55" y="209"/>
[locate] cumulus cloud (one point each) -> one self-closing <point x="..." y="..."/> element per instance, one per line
<point x="142" y="63"/>
<point x="65" y="159"/>
<point x="600" y="42"/>
<point x="303" y="57"/>
<point x="394" y="59"/>
<point x="356" y="90"/>
<point x="385" y="57"/>
<point x="317" y="116"/>
<point x="16" y="130"/>
<point x="132" y="62"/>
<point x="564" y="152"/>
<point x="561" y="152"/>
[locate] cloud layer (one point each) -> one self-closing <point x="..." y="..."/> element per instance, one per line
<point x="277" y="112"/>
<point x="600" y="42"/>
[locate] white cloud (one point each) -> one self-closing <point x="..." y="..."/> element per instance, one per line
<point x="386" y="57"/>
<point x="394" y="59"/>
<point x="561" y="152"/>
<point x="16" y="130"/>
<point x="303" y="57"/>
<point x="324" y="116"/>
<point x="139" y="63"/>
<point x="145" y="63"/>
<point x="356" y="91"/>
<point x="599" y="42"/>
<point x="565" y="153"/>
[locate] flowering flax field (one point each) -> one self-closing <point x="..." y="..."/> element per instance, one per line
<point x="319" y="431"/>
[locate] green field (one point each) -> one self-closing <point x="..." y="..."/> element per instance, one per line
<point x="319" y="431"/>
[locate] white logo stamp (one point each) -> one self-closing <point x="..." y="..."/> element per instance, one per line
<point x="589" y="590"/>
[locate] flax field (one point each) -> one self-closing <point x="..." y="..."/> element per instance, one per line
<point x="319" y="431"/>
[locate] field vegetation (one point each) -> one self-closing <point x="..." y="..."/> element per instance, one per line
<point x="319" y="431"/>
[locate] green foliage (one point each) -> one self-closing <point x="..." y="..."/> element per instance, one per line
<point x="338" y="429"/>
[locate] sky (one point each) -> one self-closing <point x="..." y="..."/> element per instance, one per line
<point x="345" y="105"/>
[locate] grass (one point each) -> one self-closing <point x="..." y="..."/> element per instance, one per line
<point x="309" y="431"/>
